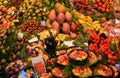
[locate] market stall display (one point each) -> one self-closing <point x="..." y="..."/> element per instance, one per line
<point x="59" y="39"/>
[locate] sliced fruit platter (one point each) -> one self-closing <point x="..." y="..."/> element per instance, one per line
<point x="59" y="39"/>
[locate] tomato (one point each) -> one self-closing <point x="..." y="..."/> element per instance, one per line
<point x="100" y="4"/>
<point x="103" y="1"/>
<point x="107" y="10"/>
<point x="103" y="6"/>
<point x="97" y="1"/>
<point x="99" y="8"/>
<point x="103" y="9"/>
<point x="96" y="5"/>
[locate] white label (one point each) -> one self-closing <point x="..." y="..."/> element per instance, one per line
<point x="69" y="43"/>
<point x="43" y="23"/>
<point x="33" y="40"/>
<point x="44" y="9"/>
<point x="20" y="34"/>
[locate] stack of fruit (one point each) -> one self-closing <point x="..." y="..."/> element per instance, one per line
<point x="61" y="20"/>
<point x="103" y="6"/>
<point x="75" y="62"/>
<point x="34" y="10"/>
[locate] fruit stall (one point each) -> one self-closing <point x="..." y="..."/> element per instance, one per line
<point x="59" y="38"/>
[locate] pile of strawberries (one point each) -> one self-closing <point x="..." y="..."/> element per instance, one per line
<point x="101" y="45"/>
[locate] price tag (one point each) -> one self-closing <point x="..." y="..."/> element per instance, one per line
<point x="33" y="40"/>
<point x="20" y="34"/>
<point x="43" y="23"/>
<point x="69" y="43"/>
<point x="38" y="64"/>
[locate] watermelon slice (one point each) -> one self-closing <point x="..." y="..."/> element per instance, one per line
<point x="92" y="58"/>
<point x="57" y="72"/>
<point x="104" y="71"/>
<point x="78" y="55"/>
<point x="82" y="71"/>
<point x="63" y="59"/>
<point x="115" y="69"/>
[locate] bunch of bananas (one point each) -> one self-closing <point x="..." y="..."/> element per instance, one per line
<point x="82" y="19"/>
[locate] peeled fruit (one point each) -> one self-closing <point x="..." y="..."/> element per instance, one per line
<point x="61" y="9"/>
<point x="60" y="18"/>
<point x="73" y="35"/>
<point x="68" y="16"/>
<point x="55" y="26"/>
<point x="57" y="5"/>
<point x="52" y="15"/>
<point x="66" y="28"/>
<point x="73" y="27"/>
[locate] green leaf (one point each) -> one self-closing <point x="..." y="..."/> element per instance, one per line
<point x="28" y="64"/>
<point x="113" y="47"/>
<point x="67" y="70"/>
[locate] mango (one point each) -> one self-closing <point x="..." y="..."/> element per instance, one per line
<point x="55" y="26"/>
<point x="52" y="15"/>
<point x="66" y="28"/>
<point x="68" y="16"/>
<point x="60" y="18"/>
